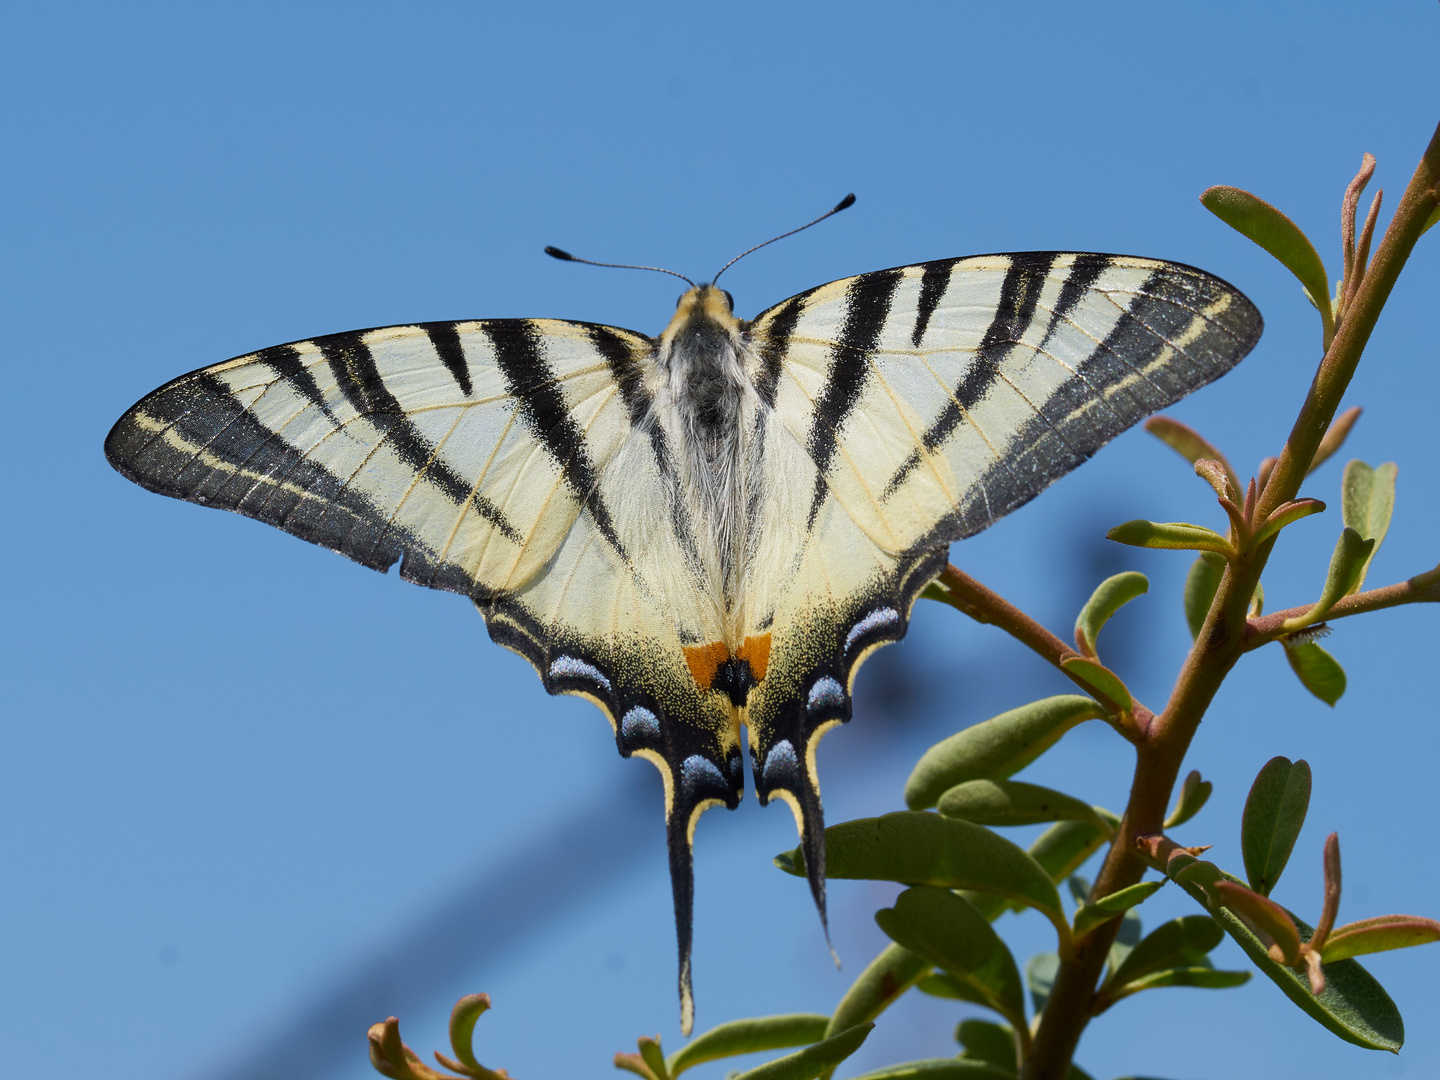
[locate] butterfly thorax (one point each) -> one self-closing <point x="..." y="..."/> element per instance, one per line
<point x="705" y="403"/>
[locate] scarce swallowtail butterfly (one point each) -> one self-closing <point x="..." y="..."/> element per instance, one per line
<point x="714" y="527"/>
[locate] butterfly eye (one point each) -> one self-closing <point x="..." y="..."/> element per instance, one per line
<point x="729" y="300"/>
<point x="680" y="299"/>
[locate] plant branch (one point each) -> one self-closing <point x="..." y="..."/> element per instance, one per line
<point x="1421" y="197"/>
<point x="1420" y="589"/>
<point x="1222" y="639"/>
<point x="987" y="606"/>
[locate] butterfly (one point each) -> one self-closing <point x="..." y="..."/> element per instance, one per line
<point x="710" y="529"/>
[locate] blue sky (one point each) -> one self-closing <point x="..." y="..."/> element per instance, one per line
<point x="257" y="797"/>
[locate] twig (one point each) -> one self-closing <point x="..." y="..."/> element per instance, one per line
<point x="1224" y="636"/>
<point x="1421" y="589"/>
<point x="987" y="606"/>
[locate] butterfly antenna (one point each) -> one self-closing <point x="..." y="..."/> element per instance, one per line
<point x="565" y="256"/>
<point x="847" y="201"/>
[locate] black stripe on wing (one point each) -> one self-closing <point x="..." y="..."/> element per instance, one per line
<point x="627" y="369"/>
<point x="1019" y="295"/>
<point x="778" y="330"/>
<point x="932" y="287"/>
<point x="289" y="365"/>
<point x="163" y="444"/>
<point x="519" y="352"/>
<point x="353" y="366"/>
<point x="867" y="307"/>
<point x="1071" y="426"/>
<point x="445" y="339"/>
<point x="193" y="439"/>
<point x="629" y="374"/>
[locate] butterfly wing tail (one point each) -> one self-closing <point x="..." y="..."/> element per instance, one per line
<point x="695" y="784"/>
<point x="682" y="884"/>
<point x="810" y="820"/>
<point x="783" y="762"/>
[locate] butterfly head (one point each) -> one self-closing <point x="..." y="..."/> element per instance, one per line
<point x="703" y="311"/>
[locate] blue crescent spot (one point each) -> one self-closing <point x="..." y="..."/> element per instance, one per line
<point x="696" y="769"/>
<point x="639" y="723"/>
<point x="571" y="666"/>
<point x="781" y="765"/>
<point x="737" y="770"/>
<point x="826" y="691"/>
<point x="885" y="616"/>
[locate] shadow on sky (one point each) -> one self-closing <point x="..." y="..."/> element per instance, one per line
<point x="505" y="904"/>
<point x="508" y="903"/>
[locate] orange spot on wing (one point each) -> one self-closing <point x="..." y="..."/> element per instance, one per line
<point x="704" y="659"/>
<point x="756" y="650"/>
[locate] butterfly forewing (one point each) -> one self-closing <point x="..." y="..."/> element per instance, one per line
<point x="969" y="385"/>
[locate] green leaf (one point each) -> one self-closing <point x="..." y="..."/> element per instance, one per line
<point x="1194" y="793"/>
<point x="1347" y="570"/>
<point x="628" y="1062"/>
<point x="1200" y="587"/>
<point x="1062" y="849"/>
<point x="916" y="848"/>
<point x="1103" y="910"/>
<point x="1431" y="220"/>
<point x="939" y="1069"/>
<point x="1109" y="597"/>
<point x="1368" y="497"/>
<point x="653" y="1056"/>
<point x="1269" y="921"/>
<point x="947" y="931"/>
<point x="984" y="1041"/>
<point x="994" y="749"/>
<point x="1380" y="934"/>
<point x="1274" y="813"/>
<point x="1287" y="514"/>
<point x="1188" y="443"/>
<point x="1101" y="678"/>
<point x="988" y="904"/>
<point x="1126" y="938"/>
<point x="1205" y="978"/>
<point x="1169" y="535"/>
<point x="888" y="976"/>
<point x="1040" y="973"/>
<point x="463" y="1016"/>
<point x="1318" y="671"/>
<point x="1257" y="220"/>
<point x="814" y="1060"/>
<point x="1215" y="474"/>
<point x="942" y="985"/>
<point x="748" y="1037"/>
<point x="1353" y="1005"/>
<point x="1012" y="802"/>
<point x="1182" y="942"/>
<point x="1335" y="436"/>
<point x="1347" y="567"/>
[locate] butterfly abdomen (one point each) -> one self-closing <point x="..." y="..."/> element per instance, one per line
<point x="705" y="397"/>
